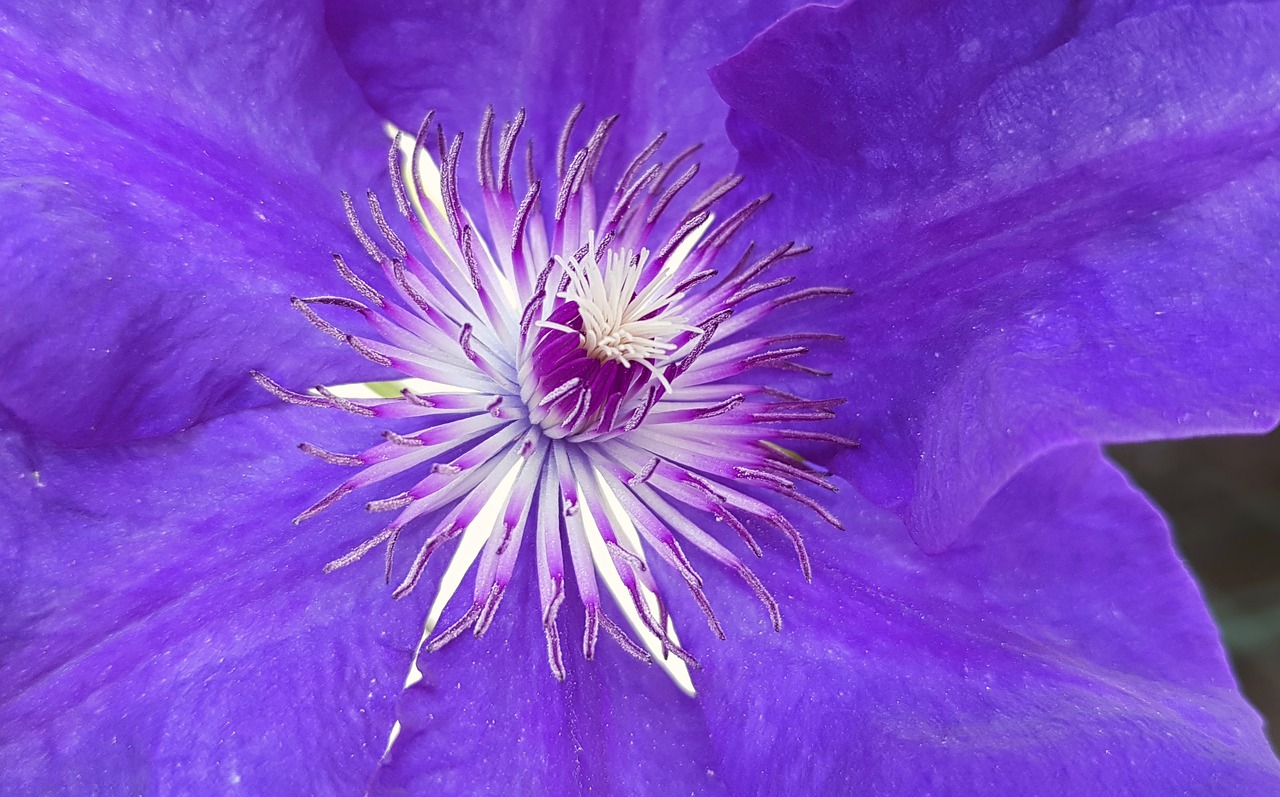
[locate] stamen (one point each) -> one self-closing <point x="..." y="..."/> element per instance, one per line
<point x="330" y="457"/>
<point x="669" y="195"/>
<point x="356" y="554"/>
<point x="638" y="161"/>
<point x="713" y="194"/>
<point x="506" y="148"/>
<point x="355" y="282"/>
<point x="562" y="149"/>
<point x="353" y="221"/>
<point x="484" y="151"/>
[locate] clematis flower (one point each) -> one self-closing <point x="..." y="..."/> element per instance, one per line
<point x="1059" y="225"/>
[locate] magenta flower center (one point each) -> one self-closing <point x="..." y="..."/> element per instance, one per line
<point x="593" y="345"/>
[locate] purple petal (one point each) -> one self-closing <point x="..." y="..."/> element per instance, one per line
<point x="169" y="178"/>
<point x="1061" y="226"/>
<point x="1064" y="651"/>
<point x="489" y="714"/>
<point x="647" y="61"/>
<point x="165" y="629"/>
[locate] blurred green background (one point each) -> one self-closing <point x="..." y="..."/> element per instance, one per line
<point x="1222" y="495"/>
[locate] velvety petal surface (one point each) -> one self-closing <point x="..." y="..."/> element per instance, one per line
<point x="1062" y="221"/>
<point x="1064" y="650"/>
<point x="170" y="176"/>
<point x="647" y="61"/>
<point x="165" y="629"/>
<point x="488" y="717"/>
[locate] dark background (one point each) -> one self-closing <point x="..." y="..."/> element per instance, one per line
<point x="1222" y="495"/>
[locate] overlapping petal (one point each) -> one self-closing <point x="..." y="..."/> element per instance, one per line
<point x="1064" y="650"/>
<point x="164" y="170"/>
<point x="1063" y="224"/>
<point x="647" y="61"/>
<point x="165" y="629"/>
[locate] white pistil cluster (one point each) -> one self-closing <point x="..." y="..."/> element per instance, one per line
<point x="617" y="322"/>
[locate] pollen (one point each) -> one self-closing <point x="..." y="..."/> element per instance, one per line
<point x="599" y="373"/>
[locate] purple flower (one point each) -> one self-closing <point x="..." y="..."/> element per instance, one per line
<point x="1060" y="227"/>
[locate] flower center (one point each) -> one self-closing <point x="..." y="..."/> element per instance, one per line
<point x="620" y="322"/>
<point x="613" y="311"/>
<point x="598" y="382"/>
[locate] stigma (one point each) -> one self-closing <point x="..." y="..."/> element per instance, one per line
<point x="620" y="321"/>
<point x="600" y="368"/>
